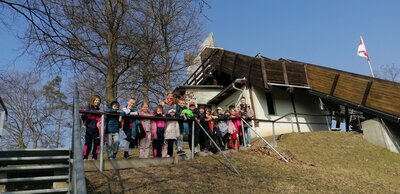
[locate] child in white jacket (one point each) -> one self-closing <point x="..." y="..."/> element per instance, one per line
<point x="171" y="132"/>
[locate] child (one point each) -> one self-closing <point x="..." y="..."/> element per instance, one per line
<point x="151" y="130"/>
<point x="112" y="130"/>
<point x="224" y="135"/>
<point x="211" y="121"/>
<point x="234" y="126"/>
<point x="130" y="109"/>
<point x="171" y="132"/>
<point x="179" y="141"/>
<point x="159" y="141"/>
<point x="203" y="138"/>
<point x="92" y="130"/>
<point x="190" y="115"/>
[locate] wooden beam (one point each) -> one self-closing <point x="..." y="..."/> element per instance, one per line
<point x="220" y="63"/>
<point x="335" y="80"/>
<point x="264" y="73"/>
<point x="285" y="77"/>
<point x="366" y="92"/>
<point x="234" y="66"/>
<point x="294" y="109"/>
<point x="250" y="67"/>
<point x="306" y="72"/>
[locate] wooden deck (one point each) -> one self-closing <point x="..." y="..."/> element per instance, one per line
<point x="358" y="91"/>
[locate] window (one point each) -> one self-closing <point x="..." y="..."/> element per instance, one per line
<point x="270" y="103"/>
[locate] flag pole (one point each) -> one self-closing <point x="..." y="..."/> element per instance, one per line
<point x="362" y="52"/>
<point x="370" y="67"/>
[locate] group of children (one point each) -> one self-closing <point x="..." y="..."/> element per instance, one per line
<point x="170" y="123"/>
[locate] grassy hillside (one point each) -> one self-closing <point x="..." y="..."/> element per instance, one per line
<point x="321" y="162"/>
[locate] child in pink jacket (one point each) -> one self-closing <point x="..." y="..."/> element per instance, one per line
<point x="150" y="128"/>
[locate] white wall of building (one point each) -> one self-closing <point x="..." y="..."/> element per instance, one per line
<point x="304" y="102"/>
<point x="231" y="100"/>
<point x="201" y="95"/>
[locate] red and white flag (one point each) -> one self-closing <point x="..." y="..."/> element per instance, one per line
<point x="362" y="52"/>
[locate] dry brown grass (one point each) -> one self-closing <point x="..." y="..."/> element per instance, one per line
<point x="321" y="162"/>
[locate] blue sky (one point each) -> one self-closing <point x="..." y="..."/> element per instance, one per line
<point x="321" y="32"/>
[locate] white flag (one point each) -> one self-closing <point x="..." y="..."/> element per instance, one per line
<point x="362" y="52"/>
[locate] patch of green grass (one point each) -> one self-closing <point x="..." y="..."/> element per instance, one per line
<point x="322" y="162"/>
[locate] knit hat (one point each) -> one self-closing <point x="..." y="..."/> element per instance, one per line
<point x="191" y="103"/>
<point x="219" y="108"/>
<point x="171" y="110"/>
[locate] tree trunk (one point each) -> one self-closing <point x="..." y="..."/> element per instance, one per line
<point x="21" y="143"/>
<point x="35" y="140"/>
<point x="167" y="69"/>
<point x="168" y="73"/>
<point x="111" y="89"/>
<point x="146" y="89"/>
<point x="58" y="135"/>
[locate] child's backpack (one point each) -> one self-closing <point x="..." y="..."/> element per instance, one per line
<point x="138" y="131"/>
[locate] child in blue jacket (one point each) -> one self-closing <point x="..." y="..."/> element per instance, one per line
<point x="112" y="130"/>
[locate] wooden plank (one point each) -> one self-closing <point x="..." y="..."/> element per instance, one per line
<point x="274" y="71"/>
<point x="256" y="77"/>
<point x="227" y="63"/>
<point x="220" y="63"/>
<point x="320" y="79"/>
<point x="234" y="66"/>
<point x="350" y="88"/>
<point x="384" y="96"/>
<point x="296" y="73"/>
<point x="250" y="67"/>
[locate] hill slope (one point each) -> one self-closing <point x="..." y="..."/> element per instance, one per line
<point x="322" y="162"/>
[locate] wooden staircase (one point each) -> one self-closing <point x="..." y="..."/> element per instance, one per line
<point x="35" y="171"/>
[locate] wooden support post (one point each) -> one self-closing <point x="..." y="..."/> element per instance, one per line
<point x="335" y="80"/>
<point x="285" y="77"/>
<point x="264" y="74"/>
<point x="366" y="92"/>
<point x="294" y="109"/>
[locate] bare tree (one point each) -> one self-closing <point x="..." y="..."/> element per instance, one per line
<point x="131" y="44"/>
<point x="35" y="112"/>
<point x="168" y="29"/>
<point x="84" y="36"/>
<point x="389" y="72"/>
<point x="179" y="31"/>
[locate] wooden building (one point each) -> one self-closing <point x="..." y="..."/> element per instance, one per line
<point x="298" y="94"/>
